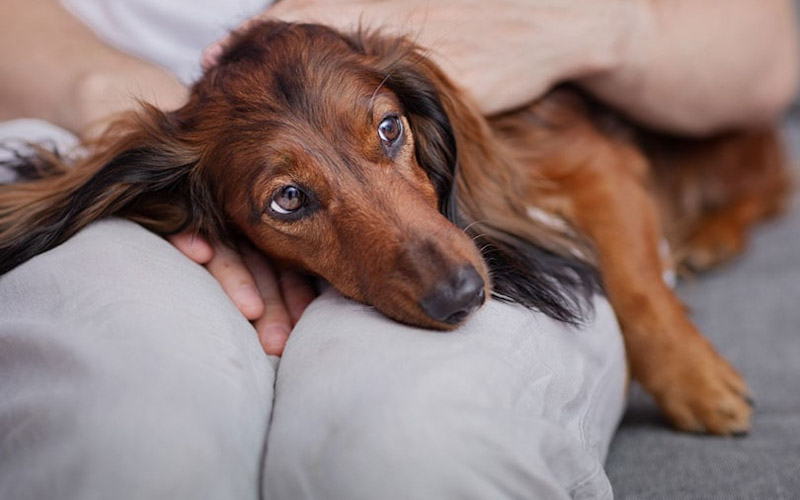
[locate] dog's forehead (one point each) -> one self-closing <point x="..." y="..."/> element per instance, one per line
<point x="300" y="70"/>
<point x="299" y="93"/>
<point x="317" y="103"/>
<point x="316" y="83"/>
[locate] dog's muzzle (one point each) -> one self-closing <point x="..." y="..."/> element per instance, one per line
<point x="455" y="297"/>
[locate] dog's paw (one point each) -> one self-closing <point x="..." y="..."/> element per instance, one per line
<point x="703" y="393"/>
<point x="715" y="243"/>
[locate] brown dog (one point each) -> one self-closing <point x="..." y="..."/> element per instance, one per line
<point x="354" y="158"/>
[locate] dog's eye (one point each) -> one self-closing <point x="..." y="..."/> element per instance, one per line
<point x="287" y="200"/>
<point x="390" y="129"/>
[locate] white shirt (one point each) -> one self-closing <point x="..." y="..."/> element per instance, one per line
<point x="171" y="33"/>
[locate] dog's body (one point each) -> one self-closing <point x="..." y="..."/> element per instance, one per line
<point x="354" y="158"/>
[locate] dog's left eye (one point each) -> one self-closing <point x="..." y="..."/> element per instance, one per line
<point x="288" y="200"/>
<point x="390" y="129"/>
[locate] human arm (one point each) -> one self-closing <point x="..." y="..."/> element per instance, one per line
<point x="682" y="66"/>
<point x="700" y="67"/>
<point x="54" y="68"/>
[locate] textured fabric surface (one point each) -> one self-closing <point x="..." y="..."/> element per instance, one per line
<point x="512" y="405"/>
<point x="16" y="134"/>
<point x="125" y="372"/>
<point x="751" y="312"/>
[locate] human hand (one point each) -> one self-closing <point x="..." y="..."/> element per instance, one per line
<point x="272" y="299"/>
<point x="505" y="53"/>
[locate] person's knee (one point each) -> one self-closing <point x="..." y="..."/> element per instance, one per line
<point x="412" y="444"/>
<point x="128" y="445"/>
<point x="367" y="408"/>
<point x="126" y="373"/>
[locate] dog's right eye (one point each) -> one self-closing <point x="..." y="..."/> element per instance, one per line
<point x="288" y="200"/>
<point x="390" y="130"/>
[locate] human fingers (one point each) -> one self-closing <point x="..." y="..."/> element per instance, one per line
<point x="297" y="292"/>
<point x="193" y="246"/>
<point x="275" y="323"/>
<point x="228" y="267"/>
<point x="212" y="53"/>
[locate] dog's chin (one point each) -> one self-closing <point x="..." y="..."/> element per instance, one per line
<point x="417" y="318"/>
<point x="423" y="322"/>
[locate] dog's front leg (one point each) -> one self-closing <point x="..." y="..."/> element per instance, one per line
<point x="606" y="200"/>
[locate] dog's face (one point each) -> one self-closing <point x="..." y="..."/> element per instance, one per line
<point x="326" y="161"/>
<point x="333" y="153"/>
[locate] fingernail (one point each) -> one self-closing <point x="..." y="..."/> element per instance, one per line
<point x="193" y="245"/>
<point x="212" y="55"/>
<point x="274" y="339"/>
<point x="195" y="248"/>
<point x="247" y="300"/>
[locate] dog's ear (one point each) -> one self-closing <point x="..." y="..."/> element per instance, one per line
<point x="434" y="138"/>
<point x="144" y="168"/>
<point x="454" y="145"/>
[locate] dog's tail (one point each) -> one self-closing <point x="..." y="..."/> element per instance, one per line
<point x="140" y="169"/>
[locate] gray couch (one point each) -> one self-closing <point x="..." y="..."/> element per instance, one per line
<point x="751" y="312"/>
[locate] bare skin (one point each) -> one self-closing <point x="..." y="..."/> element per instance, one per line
<point x="689" y="67"/>
<point x="632" y="54"/>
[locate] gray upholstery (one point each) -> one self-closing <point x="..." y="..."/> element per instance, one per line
<point x="751" y="312"/>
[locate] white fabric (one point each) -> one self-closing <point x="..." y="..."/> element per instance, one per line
<point x="512" y="405"/>
<point x="17" y="134"/>
<point x="125" y="373"/>
<point x="172" y="33"/>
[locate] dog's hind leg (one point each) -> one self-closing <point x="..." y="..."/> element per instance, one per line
<point x="720" y="236"/>
<point x="602" y="192"/>
<point x="714" y="191"/>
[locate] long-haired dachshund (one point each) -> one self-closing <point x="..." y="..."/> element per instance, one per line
<point x="354" y="158"/>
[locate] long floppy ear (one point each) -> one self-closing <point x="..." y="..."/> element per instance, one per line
<point x="143" y="168"/>
<point x="529" y="263"/>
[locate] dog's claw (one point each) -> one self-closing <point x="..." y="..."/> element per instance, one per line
<point x="700" y="392"/>
<point x="717" y="242"/>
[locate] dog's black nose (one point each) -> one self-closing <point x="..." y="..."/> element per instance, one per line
<point x="454" y="298"/>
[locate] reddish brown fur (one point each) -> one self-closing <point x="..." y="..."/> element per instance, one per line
<point x="301" y="104"/>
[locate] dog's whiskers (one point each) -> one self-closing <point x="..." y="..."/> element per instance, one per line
<point x="473" y="223"/>
<point x="378" y="88"/>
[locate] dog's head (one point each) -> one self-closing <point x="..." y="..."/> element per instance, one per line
<point x="333" y="153"/>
